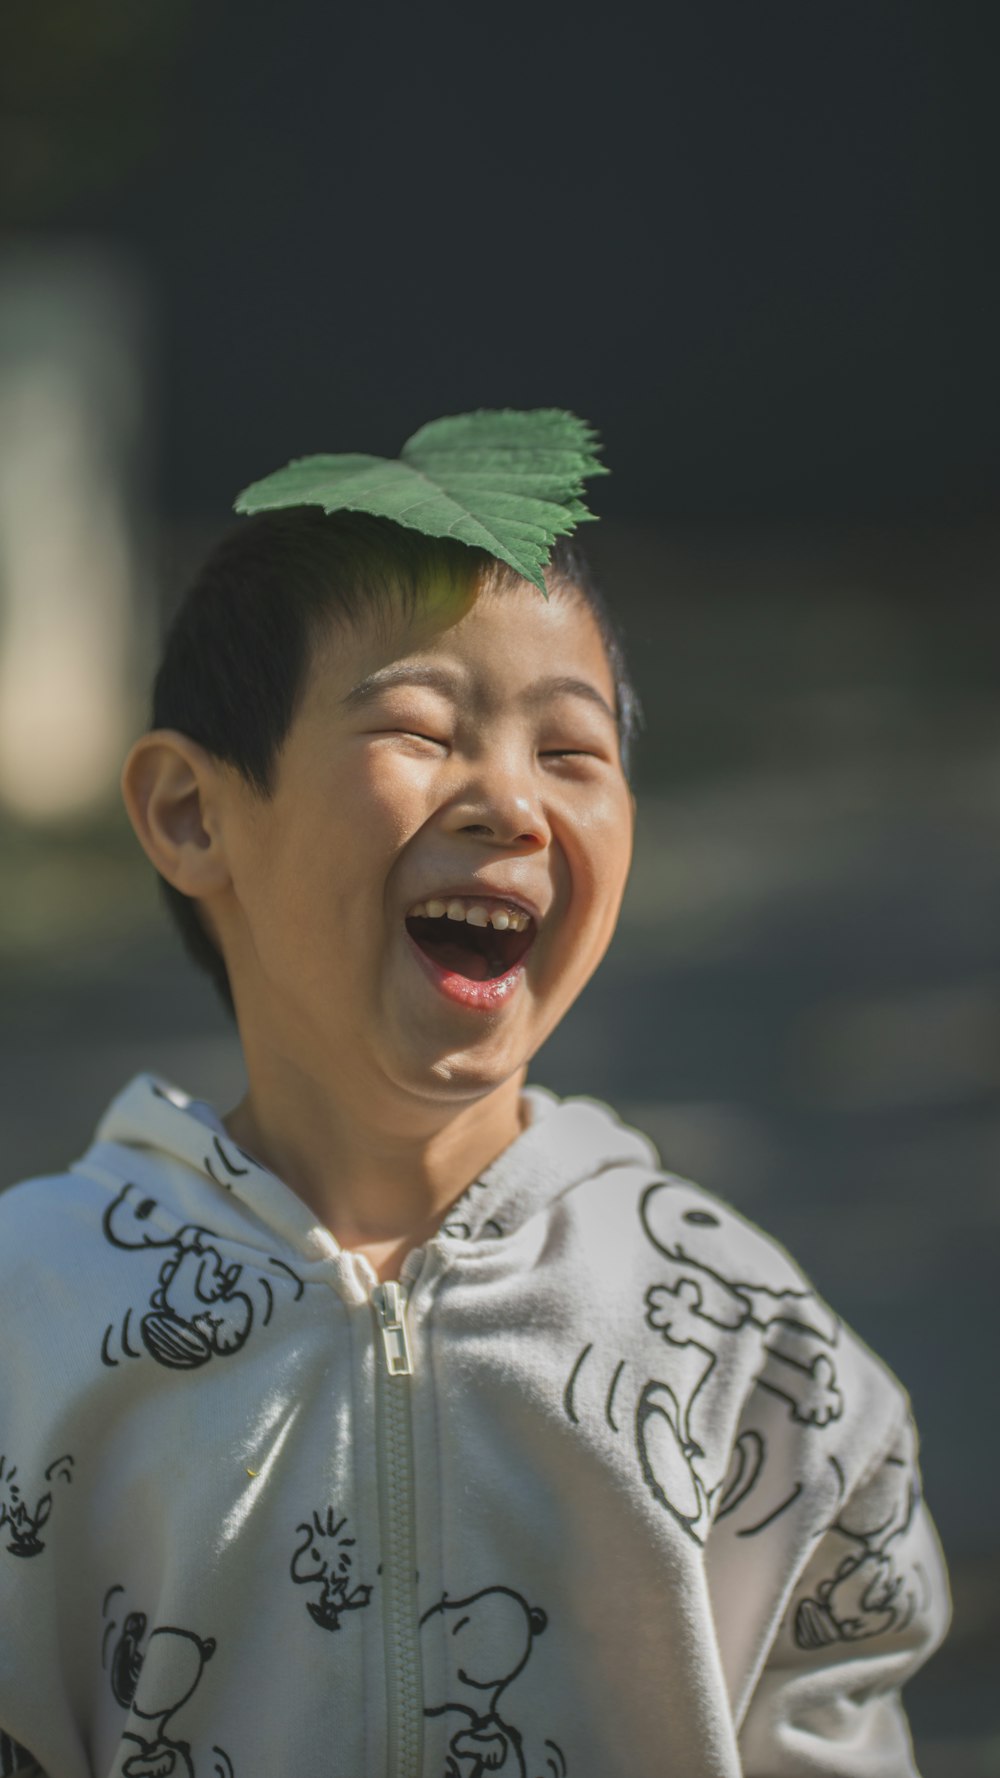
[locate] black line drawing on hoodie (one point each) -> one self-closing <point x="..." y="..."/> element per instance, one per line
<point x="153" y="1684"/>
<point x="16" y="1761"/>
<point x="711" y="1313"/>
<point x="488" y="1637"/>
<point x="20" y="1523"/>
<point x="866" y="1593"/>
<point x="324" y="1559"/>
<point x="461" y="1230"/>
<point x="201" y="1307"/>
<point x="230" y="1166"/>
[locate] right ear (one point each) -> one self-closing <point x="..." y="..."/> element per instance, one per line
<point x="172" y="789"/>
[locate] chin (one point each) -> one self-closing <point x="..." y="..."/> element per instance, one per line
<point x="462" y="1075"/>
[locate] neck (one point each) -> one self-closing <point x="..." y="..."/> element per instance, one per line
<point x="380" y="1177"/>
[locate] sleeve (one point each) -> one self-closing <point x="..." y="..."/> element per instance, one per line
<point x="39" y="1534"/>
<point x="869" y="1605"/>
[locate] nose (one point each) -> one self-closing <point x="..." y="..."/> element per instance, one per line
<point x="500" y="803"/>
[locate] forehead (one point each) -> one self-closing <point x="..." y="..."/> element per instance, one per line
<point x="489" y="642"/>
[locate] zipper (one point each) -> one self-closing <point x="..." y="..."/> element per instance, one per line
<point x="394" y="1447"/>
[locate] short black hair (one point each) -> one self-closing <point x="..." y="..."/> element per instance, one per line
<point x="237" y="652"/>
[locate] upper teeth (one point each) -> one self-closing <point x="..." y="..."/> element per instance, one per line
<point x="473" y="913"/>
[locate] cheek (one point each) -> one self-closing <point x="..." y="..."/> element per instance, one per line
<point x="329" y="859"/>
<point x="388" y="793"/>
<point x="596" y="848"/>
<point x="599" y="848"/>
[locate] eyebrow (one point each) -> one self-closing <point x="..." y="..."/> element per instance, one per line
<point x="441" y="679"/>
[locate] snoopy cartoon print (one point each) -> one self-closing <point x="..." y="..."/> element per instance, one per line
<point x="488" y="1638"/>
<point x="723" y="1294"/>
<point x="154" y="1684"/>
<point x="201" y="1307"/>
<point x="868" y="1588"/>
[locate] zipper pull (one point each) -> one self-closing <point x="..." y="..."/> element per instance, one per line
<point x="390" y="1305"/>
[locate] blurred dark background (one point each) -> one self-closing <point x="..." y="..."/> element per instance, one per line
<point x="756" y="246"/>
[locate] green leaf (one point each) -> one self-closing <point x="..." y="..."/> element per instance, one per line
<point x="506" y="482"/>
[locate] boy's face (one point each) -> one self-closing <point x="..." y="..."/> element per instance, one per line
<point x="486" y="783"/>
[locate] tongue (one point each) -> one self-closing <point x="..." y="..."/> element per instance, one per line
<point x="461" y="960"/>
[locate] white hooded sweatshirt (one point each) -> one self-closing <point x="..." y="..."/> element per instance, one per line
<point x="599" y="1489"/>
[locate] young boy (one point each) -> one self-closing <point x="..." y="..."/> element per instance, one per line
<point x="408" y="1419"/>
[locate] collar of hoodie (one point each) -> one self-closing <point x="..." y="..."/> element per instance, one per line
<point x="154" y="1129"/>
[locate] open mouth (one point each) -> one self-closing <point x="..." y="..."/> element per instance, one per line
<point x="480" y="953"/>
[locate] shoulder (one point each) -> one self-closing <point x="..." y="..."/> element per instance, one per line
<point x="55" y="1264"/>
<point x="680" y="1233"/>
<point x="800" y="1412"/>
<point x="702" y="1344"/>
<point x="54" y="1303"/>
<point x="43" y="1217"/>
<point x="53" y="1273"/>
<point x="727" y="1272"/>
<point x="727" y="1323"/>
<point x="706" y="1263"/>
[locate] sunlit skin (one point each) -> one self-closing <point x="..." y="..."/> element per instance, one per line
<point x="370" y="1094"/>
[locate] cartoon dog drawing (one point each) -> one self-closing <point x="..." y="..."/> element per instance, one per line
<point x="21" y="1522"/>
<point x="704" y="1310"/>
<point x="867" y="1593"/>
<point x="201" y="1307"/>
<point x="489" y="1636"/>
<point x="323" y="1559"/>
<point x="154" y="1684"/>
<point x="126" y="1660"/>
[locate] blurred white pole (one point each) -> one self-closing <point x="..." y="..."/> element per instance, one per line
<point x="76" y="611"/>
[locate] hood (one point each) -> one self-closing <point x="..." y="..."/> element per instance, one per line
<point x="177" y="1148"/>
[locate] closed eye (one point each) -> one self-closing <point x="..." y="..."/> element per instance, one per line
<point x="550" y="753"/>
<point x="409" y="734"/>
